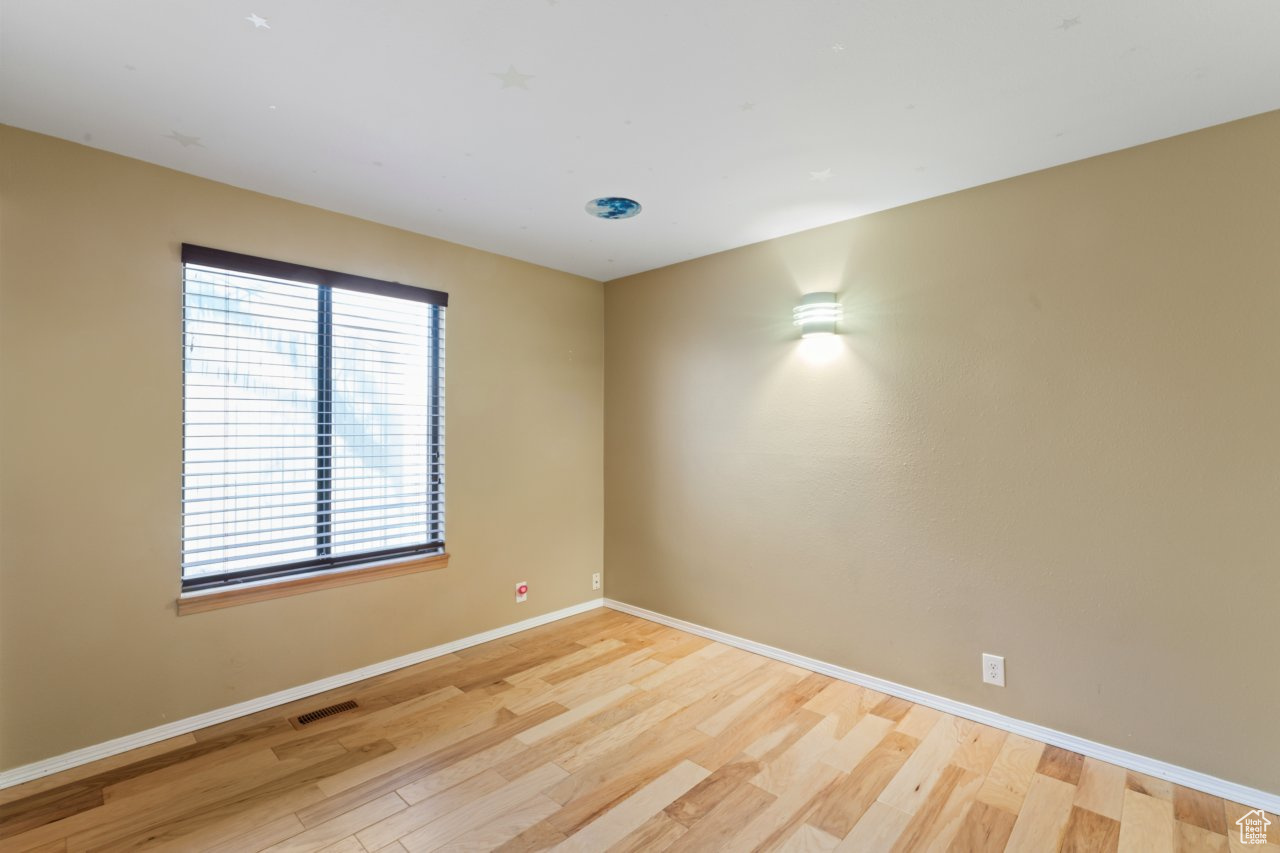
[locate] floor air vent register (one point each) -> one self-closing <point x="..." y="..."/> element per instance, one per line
<point x="322" y="713"/>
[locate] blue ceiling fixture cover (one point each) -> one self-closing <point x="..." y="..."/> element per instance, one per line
<point x="613" y="207"/>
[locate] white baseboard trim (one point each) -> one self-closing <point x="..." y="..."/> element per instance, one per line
<point x="1252" y="797"/>
<point x="27" y="772"/>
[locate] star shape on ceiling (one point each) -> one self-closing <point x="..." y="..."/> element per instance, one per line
<point x="513" y="79"/>
<point x="824" y="175"/>
<point x="747" y="106"/>
<point x="259" y="23"/>
<point x="1068" y="23"/>
<point x="184" y="140"/>
<point x="837" y="47"/>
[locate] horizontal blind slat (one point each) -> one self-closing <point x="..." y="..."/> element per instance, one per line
<point x="261" y="534"/>
<point x="194" y="515"/>
<point x="304" y="535"/>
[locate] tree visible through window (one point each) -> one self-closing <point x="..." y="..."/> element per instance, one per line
<point x="313" y="429"/>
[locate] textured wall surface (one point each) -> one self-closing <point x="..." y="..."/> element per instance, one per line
<point x="90" y="415"/>
<point x="1049" y="431"/>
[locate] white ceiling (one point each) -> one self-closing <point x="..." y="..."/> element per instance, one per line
<point x="731" y="121"/>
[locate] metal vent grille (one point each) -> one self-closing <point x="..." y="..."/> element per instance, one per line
<point x="321" y="713"/>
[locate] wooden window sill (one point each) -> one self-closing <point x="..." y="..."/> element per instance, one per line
<point x="248" y="593"/>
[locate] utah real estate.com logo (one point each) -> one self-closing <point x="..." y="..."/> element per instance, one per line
<point x="1253" y="827"/>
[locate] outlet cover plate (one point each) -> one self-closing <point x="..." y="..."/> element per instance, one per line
<point x="993" y="670"/>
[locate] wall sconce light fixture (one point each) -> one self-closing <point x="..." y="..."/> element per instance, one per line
<point x="817" y="314"/>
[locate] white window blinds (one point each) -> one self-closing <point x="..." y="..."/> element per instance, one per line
<point x="313" y="429"/>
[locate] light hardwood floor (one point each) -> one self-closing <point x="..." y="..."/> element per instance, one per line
<point x="608" y="732"/>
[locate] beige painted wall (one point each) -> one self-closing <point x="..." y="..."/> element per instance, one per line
<point x="1050" y="430"/>
<point x="90" y="407"/>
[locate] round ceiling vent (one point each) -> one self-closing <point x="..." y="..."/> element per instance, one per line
<point x="613" y="207"/>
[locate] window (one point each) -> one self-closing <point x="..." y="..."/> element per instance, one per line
<point x="313" y="420"/>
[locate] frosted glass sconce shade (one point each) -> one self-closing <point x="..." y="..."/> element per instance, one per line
<point x="817" y="314"/>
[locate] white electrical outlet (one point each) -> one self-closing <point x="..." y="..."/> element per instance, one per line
<point x="522" y="591"/>
<point x="993" y="670"/>
<point x="595" y="581"/>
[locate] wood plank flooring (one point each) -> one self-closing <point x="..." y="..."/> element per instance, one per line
<point x="608" y="732"/>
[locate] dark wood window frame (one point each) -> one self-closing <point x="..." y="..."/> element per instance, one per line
<point x="202" y="592"/>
